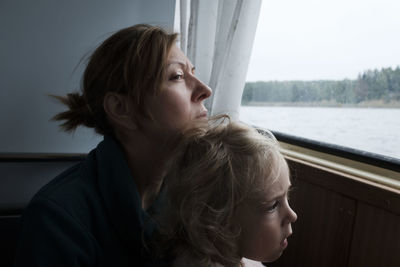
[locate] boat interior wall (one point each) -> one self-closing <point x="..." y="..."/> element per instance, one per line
<point x="342" y="220"/>
<point x="19" y="181"/>
<point x="43" y="48"/>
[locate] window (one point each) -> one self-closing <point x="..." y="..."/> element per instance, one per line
<point x="328" y="71"/>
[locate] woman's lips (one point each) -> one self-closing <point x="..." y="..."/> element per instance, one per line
<point x="202" y="115"/>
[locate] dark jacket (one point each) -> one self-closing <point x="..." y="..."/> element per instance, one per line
<point x="90" y="215"/>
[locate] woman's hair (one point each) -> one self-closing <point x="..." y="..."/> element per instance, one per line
<point x="217" y="168"/>
<point x="131" y="62"/>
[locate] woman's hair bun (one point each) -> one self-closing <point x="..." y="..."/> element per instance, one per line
<point x="78" y="113"/>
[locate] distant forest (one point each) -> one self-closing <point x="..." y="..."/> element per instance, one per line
<point x="382" y="85"/>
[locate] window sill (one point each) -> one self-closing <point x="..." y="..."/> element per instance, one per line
<point x="362" y="172"/>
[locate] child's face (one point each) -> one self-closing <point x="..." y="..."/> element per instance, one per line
<point x="266" y="220"/>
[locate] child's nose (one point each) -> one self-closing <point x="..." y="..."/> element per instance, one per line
<point x="291" y="216"/>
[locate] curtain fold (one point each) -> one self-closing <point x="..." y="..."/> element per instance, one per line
<point x="220" y="36"/>
<point x="183" y="11"/>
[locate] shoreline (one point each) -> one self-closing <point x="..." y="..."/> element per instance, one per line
<point x="332" y="104"/>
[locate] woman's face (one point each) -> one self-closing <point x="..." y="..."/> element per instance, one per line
<point x="266" y="220"/>
<point x="181" y="97"/>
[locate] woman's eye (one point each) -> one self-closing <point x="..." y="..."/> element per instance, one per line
<point x="177" y="77"/>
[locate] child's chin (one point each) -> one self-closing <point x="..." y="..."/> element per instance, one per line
<point x="272" y="258"/>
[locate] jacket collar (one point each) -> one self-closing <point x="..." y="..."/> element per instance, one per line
<point x="120" y="195"/>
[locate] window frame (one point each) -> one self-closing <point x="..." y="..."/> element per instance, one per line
<point x="369" y="158"/>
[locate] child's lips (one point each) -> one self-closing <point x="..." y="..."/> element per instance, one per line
<point x="284" y="243"/>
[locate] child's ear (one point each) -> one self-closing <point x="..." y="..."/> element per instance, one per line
<point x="119" y="111"/>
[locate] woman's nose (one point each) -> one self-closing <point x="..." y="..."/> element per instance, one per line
<point x="201" y="91"/>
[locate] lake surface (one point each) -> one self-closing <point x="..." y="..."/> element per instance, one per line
<point x="375" y="130"/>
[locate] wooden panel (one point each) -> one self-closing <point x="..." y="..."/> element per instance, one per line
<point x="322" y="233"/>
<point x="356" y="188"/>
<point x="342" y="221"/>
<point x="376" y="239"/>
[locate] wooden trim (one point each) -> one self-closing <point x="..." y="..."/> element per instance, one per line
<point x="364" y="171"/>
<point x="338" y="151"/>
<point x="378" y="195"/>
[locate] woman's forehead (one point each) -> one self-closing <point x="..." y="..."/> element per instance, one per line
<point x="176" y="56"/>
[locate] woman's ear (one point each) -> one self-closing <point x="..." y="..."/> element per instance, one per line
<point x="119" y="111"/>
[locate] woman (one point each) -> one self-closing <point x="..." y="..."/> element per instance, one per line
<point x="139" y="91"/>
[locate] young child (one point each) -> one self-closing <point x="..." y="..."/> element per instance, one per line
<point x="227" y="198"/>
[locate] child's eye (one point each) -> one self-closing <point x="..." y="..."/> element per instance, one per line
<point x="273" y="207"/>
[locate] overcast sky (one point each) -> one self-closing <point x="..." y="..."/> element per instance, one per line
<point x="324" y="39"/>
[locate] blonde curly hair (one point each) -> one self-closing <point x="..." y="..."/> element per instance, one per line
<point x="216" y="168"/>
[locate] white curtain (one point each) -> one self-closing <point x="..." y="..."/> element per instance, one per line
<point x="217" y="36"/>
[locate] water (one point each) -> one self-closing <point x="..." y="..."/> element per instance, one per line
<point x="369" y="129"/>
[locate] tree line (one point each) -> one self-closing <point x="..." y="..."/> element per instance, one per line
<point x="370" y="85"/>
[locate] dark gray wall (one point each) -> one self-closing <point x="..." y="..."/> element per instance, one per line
<point x="41" y="45"/>
<point x="19" y="181"/>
